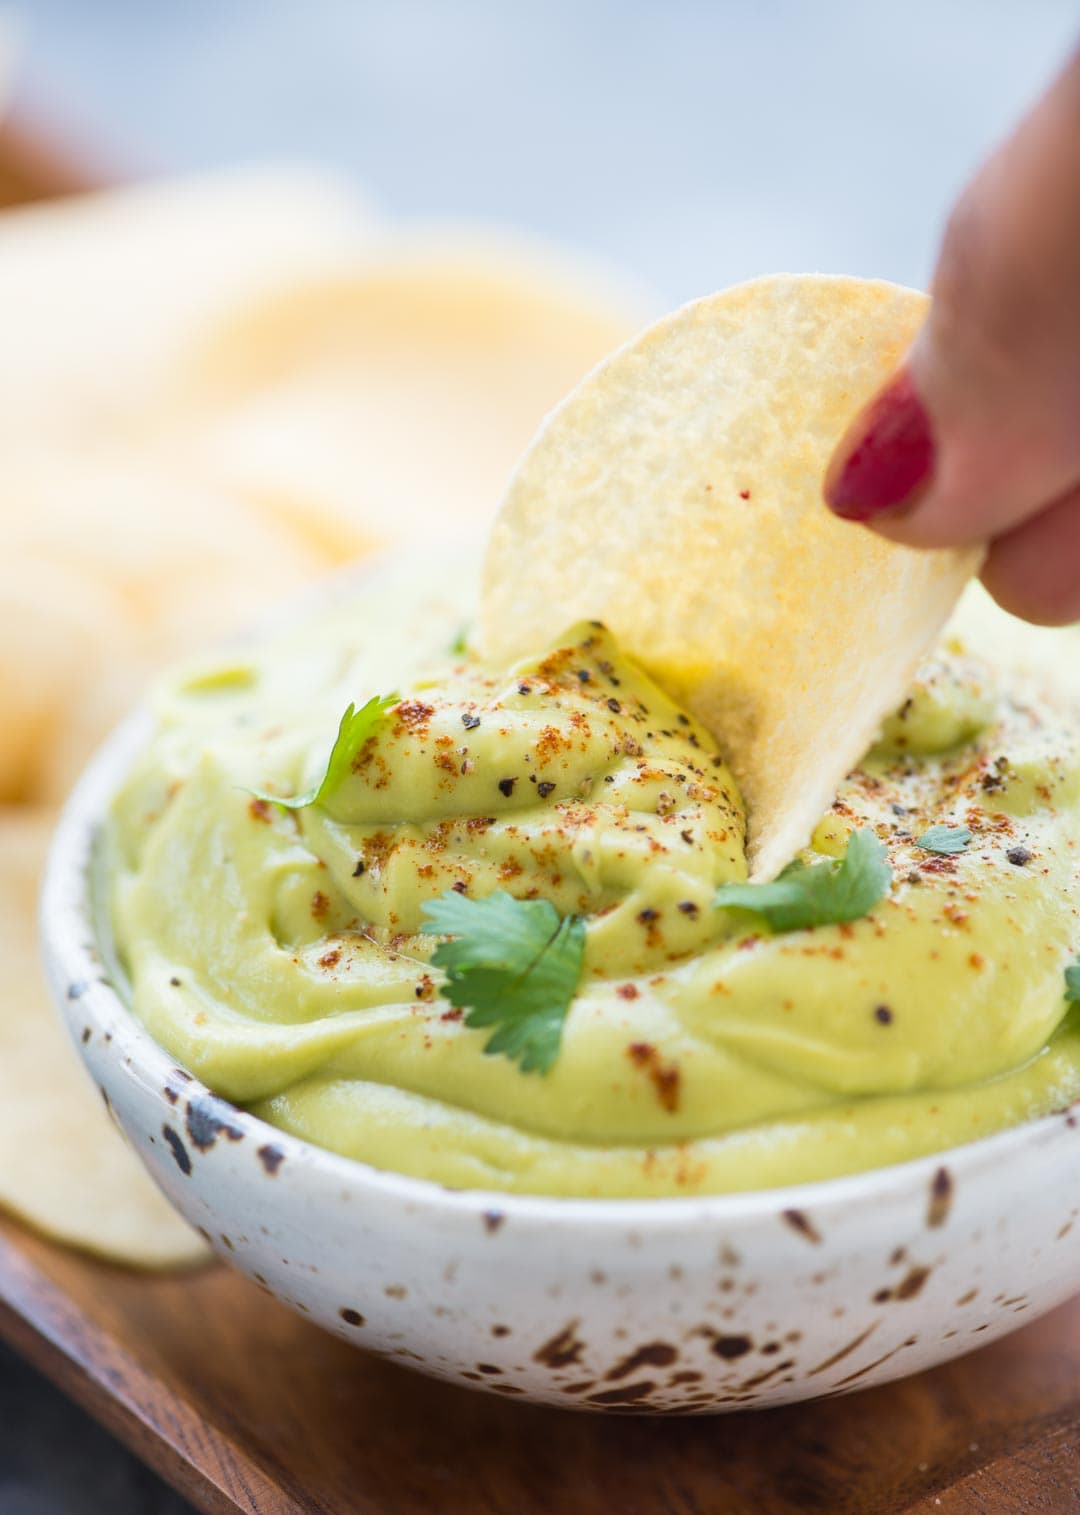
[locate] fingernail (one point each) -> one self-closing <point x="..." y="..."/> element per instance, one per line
<point x="886" y="456"/>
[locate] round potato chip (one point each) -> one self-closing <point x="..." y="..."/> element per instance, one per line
<point x="64" y="1167"/>
<point x="99" y="292"/>
<point x="58" y="630"/>
<point x="393" y="398"/>
<point x="676" y="495"/>
<point x="111" y="567"/>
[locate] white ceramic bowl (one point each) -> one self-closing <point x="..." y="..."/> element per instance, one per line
<point x="689" y="1305"/>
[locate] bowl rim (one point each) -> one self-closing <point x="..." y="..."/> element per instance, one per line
<point x="71" y="942"/>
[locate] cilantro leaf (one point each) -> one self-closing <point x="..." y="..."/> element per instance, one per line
<point x="817" y="894"/>
<point x="1072" y="983"/>
<point x="460" y="645"/>
<point x="357" y="727"/>
<point x="944" y="839"/>
<point x="512" y="964"/>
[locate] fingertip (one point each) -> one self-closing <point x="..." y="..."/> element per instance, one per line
<point x="1033" y="571"/>
<point x="1028" y="604"/>
<point x="927" y="523"/>
<point x="886" y="458"/>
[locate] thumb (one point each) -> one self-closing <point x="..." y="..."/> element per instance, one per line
<point x="979" y="432"/>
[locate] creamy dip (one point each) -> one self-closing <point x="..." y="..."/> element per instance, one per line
<point x="280" y="955"/>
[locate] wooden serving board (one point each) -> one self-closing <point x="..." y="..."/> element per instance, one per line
<point x="245" y="1407"/>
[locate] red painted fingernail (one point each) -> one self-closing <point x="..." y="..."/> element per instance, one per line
<point x="886" y="456"/>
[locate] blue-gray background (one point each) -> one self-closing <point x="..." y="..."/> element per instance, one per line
<point x="693" y="143"/>
<point x="696" y="142"/>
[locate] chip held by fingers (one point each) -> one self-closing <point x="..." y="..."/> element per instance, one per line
<point x="675" y="495"/>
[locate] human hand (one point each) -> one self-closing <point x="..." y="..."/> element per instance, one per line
<point x="977" y="437"/>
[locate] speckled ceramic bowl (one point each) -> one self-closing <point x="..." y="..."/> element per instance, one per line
<point x="688" y="1305"/>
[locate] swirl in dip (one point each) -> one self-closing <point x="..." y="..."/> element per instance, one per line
<point x="279" y="954"/>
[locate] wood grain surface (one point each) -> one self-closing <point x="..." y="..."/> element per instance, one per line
<point x="245" y="1407"/>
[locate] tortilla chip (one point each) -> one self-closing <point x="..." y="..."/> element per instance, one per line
<point x="676" y="495"/>
<point x="394" y="397"/>
<point x="65" y="1168"/>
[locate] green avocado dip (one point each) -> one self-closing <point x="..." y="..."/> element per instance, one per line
<point x="281" y="953"/>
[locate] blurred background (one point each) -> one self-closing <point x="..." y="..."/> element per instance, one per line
<point x="694" y="142"/>
<point x="685" y="144"/>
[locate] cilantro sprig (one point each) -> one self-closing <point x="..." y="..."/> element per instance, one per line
<point x="1072" y="983"/>
<point x="946" y="840"/>
<point x="356" y="728"/>
<point x="817" y="894"/>
<point x="512" y="964"/>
